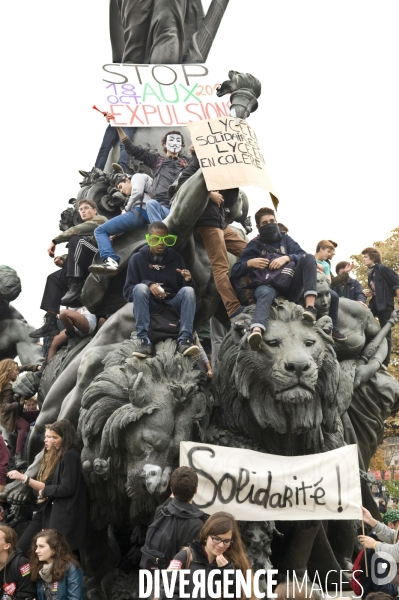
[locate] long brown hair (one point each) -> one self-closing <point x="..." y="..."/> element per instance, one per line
<point x="223" y="522"/>
<point x="62" y="555"/>
<point x="48" y="462"/>
<point x="6" y="368"/>
<point x="67" y="431"/>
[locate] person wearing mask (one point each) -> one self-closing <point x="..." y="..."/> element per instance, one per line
<point x="219" y="548"/>
<point x="54" y="568"/>
<point x="11" y="410"/>
<point x="14" y="568"/>
<point x="253" y="259"/>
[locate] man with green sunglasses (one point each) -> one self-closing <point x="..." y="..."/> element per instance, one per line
<point x="156" y="276"/>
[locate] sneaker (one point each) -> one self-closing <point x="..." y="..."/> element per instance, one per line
<point x="145" y="349"/>
<point x="187" y="348"/>
<point x="108" y="265"/>
<point x="310" y="314"/>
<point x="255" y="340"/>
<point x="49" y="327"/>
<point x="337" y="335"/>
<point x="117" y="168"/>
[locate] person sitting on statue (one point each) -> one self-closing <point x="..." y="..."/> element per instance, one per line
<point x="324" y="251"/>
<point x="218" y="239"/>
<point x="345" y="286"/>
<point x="157" y="275"/>
<point x="78" y="322"/>
<point x="65" y="285"/>
<point x="270" y="240"/>
<point x="383" y="288"/>
<point x="149" y="203"/>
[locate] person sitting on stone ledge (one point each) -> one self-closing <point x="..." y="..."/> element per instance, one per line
<point x="78" y="322"/>
<point x="324" y="251"/>
<point x="74" y="267"/>
<point x="345" y="286"/>
<point x="157" y="275"/>
<point x="253" y="261"/>
<point x="149" y="199"/>
<point x="218" y="239"/>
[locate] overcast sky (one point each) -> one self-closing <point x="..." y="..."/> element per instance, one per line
<point x="327" y="118"/>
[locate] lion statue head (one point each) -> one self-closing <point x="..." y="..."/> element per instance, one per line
<point x="286" y="393"/>
<point x="133" y="416"/>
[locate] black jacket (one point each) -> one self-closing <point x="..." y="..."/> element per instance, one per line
<point x="351" y="289"/>
<point x="190" y="520"/>
<point x="383" y="281"/>
<point x="16" y="580"/>
<point x="165" y="168"/>
<point x="255" y="249"/>
<point x="199" y="562"/>
<point x="141" y="269"/>
<point x="67" y="508"/>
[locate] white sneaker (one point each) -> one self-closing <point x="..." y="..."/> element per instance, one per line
<point x="109" y="264"/>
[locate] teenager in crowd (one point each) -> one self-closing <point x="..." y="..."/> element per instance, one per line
<point x="11" y="411"/>
<point x="271" y="240"/>
<point x="64" y="493"/>
<point x="383" y="289"/>
<point x="78" y="322"/>
<point x="345" y="286"/>
<point x="54" y="568"/>
<point x="219" y="548"/>
<point x="157" y="275"/>
<point x="65" y="285"/>
<point x="15" y="578"/>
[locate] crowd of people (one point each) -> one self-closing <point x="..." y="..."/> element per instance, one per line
<point x="43" y="563"/>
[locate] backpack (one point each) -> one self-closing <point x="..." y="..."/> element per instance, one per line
<point x="160" y="543"/>
<point x="279" y="279"/>
<point x="164" y="324"/>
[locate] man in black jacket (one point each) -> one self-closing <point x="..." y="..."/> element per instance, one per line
<point x="157" y="275"/>
<point x="218" y="239"/>
<point x="345" y="286"/>
<point x="14" y="568"/>
<point x="383" y="287"/>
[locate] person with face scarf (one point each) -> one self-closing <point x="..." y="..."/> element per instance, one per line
<point x="304" y="281"/>
<point x="148" y="199"/>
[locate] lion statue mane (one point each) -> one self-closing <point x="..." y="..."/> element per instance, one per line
<point x="294" y="388"/>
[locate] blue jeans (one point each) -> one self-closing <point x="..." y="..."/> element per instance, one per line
<point x="109" y="140"/>
<point x="333" y="314"/>
<point x="264" y="296"/>
<point x="119" y="224"/>
<point x="144" y="303"/>
<point x="156" y="211"/>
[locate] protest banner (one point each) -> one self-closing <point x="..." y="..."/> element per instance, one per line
<point x="229" y="155"/>
<point x="256" y="487"/>
<point x="160" y="95"/>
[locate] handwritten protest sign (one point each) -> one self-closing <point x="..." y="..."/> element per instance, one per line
<point x="229" y="155"/>
<point x="256" y="487"/>
<point x="160" y="95"/>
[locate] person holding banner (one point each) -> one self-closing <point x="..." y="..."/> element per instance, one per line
<point x="151" y="198"/>
<point x="272" y="252"/>
<point x="220" y="548"/>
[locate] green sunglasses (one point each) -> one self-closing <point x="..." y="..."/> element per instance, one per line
<point x="155" y="240"/>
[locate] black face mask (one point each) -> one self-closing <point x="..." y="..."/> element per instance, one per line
<point x="269" y="233"/>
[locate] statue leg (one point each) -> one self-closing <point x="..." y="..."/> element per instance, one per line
<point x="166" y="37"/>
<point x="136" y="20"/>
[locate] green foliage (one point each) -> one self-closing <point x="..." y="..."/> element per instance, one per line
<point x="392" y="487"/>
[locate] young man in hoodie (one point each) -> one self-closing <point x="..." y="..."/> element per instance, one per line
<point x="304" y="281"/>
<point x="157" y="275"/>
<point x="383" y="288"/>
<point x="14" y="568"/>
